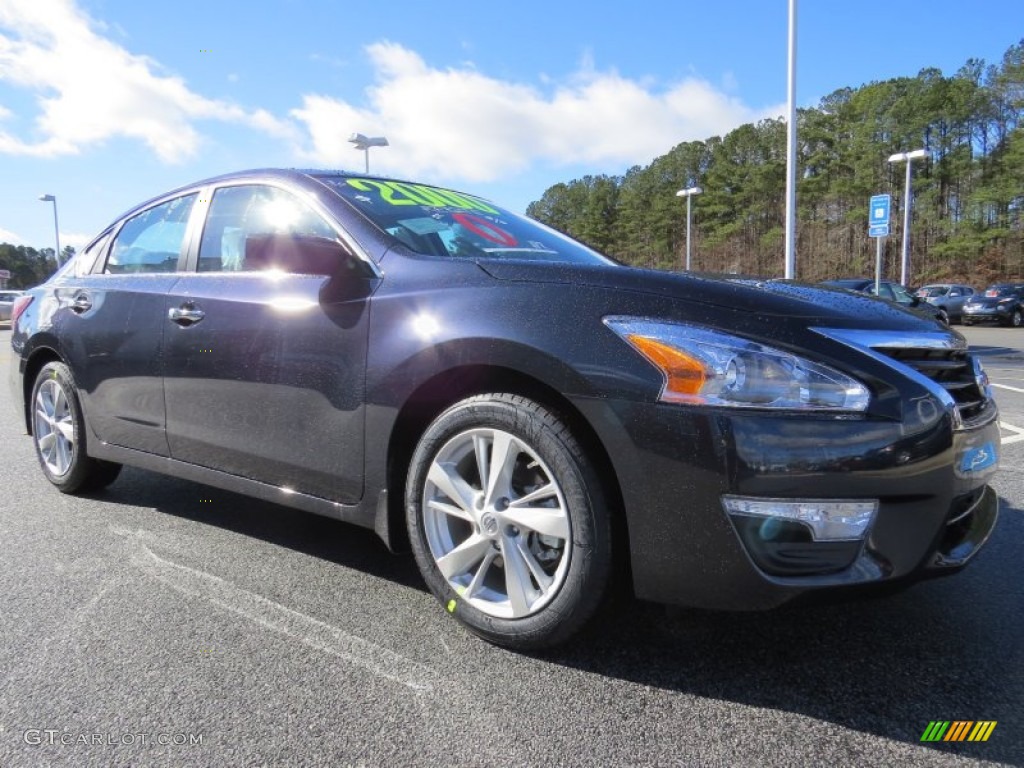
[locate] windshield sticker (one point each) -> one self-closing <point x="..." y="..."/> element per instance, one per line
<point x="485" y="229"/>
<point x="398" y="193"/>
<point x="424" y="225"/>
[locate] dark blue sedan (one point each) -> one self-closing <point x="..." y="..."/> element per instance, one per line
<point x="536" y="422"/>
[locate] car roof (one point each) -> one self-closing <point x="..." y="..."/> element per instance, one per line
<point x="257" y="174"/>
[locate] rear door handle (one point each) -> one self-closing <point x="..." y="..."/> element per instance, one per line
<point x="81" y="303"/>
<point x="185" y="315"/>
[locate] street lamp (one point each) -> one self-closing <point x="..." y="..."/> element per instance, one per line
<point x="688" y="193"/>
<point x="907" y="157"/>
<point x="365" y="142"/>
<point x="56" y="229"/>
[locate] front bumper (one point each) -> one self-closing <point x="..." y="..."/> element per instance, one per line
<point x="935" y="509"/>
<point x="986" y="314"/>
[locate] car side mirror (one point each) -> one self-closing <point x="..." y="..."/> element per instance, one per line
<point x="311" y="255"/>
<point x="294" y="254"/>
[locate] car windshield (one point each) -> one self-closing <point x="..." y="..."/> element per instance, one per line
<point x="931" y="291"/>
<point x="440" y="222"/>
<point x="999" y="290"/>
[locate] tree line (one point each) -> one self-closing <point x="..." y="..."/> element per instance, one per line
<point x="29" y="266"/>
<point x="968" y="193"/>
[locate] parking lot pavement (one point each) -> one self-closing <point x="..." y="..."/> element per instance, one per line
<point x="243" y="633"/>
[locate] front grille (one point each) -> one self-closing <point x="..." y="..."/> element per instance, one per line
<point x="952" y="369"/>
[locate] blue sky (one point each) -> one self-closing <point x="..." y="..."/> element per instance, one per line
<point x="105" y="103"/>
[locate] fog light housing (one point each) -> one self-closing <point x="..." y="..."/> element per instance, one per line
<point x="800" y="537"/>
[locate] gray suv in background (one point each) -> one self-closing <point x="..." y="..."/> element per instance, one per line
<point x="948" y="297"/>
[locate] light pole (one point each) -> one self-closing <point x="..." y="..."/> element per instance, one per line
<point x="791" y="149"/>
<point x="688" y="193"/>
<point x="365" y="142"/>
<point x="56" y="229"/>
<point x="909" y="158"/>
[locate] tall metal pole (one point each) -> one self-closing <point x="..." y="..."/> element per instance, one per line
<point x="878" y="266"/>
<point x="905" y="253"/>
<point x="688" y="232"/>
<point x="908" y="158"/>
<point x="791" y="150"/>
<point x="56" y="230"/>
<point x="366" y="152"/>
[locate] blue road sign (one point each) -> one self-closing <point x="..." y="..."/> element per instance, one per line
<point x="878" y="230"/>
<point x="878" y="213"/>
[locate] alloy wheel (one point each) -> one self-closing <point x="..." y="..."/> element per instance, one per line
<point x="54" y="427"/>
<point x="497" y="523"/>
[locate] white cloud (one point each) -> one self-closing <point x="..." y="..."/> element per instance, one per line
<point x="76" y="240"/>
<point x="90" y="89"/>
<point x="460" y="124"/>
<point x="6" y="236"/>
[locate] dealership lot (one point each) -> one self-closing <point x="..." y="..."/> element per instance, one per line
<point x="164" y="622"/>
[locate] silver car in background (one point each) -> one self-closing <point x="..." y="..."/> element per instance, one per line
<point x="948" y="297"/>
<point x="6" y="302"/>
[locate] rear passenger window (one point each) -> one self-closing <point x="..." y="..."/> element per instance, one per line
<point x="86" y="261"/>
<point x="255" y="227"/>
<point x="151" y="241"/>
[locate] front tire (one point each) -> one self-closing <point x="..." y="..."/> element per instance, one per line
<point x="58" y="431"/>
<point x="1016" y="319"/>
<point x="508" y="522"/>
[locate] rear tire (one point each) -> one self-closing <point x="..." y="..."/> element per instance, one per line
<point x="59" y="434"/>
<point x="508" y="522"/>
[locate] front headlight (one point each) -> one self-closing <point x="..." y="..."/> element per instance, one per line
<point x="707" y="367"/>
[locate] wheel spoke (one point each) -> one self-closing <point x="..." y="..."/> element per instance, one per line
<point x="44" y="403"/>
<point x="542" y="579"/>
<point x="63" y="456"/>
<point x="43" y="420"/>
<point x="60" y="404"/>
<point x="481" y="573"/>
<point x="464" y="557"/>
<point x="504" y="450"/>
<point x="447" y="480"/>
<point x="517" y="577"/>
<point x="546" y="491"/>
<point x="482" y="450"/>
<point x="46" y="442"/>
<point x="66" y="428"/>
<point x="550" y="521"/>
<point x="451" y="509"/>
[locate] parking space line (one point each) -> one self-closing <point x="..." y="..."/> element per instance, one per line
<point x="1017" y="437"/>
<point x="1007" y="386"/>
<point x="279" y="618"/>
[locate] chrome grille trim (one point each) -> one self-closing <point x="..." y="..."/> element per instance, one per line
<point x="938" y="361"/>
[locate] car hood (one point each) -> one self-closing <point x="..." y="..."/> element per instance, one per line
<point x="816" y="305"/>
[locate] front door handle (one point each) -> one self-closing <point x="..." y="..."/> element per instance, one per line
<point x="185" y="315"/>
